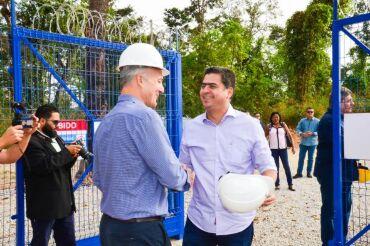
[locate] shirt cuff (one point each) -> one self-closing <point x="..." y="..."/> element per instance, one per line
<point x="186" y="186"/>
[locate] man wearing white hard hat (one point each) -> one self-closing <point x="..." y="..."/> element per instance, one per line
<point x="134" y="163"/>
<point x="217" y="142"/>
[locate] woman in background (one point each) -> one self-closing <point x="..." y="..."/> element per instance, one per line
<point x="277" y="133"/>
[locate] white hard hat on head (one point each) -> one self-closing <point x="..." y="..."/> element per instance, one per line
<point x="241" y="193"/>
<point x="141" y="54"/>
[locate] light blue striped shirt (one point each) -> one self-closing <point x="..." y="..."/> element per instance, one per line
<point x="134" y="162"/>
<point x="306" y="125"/>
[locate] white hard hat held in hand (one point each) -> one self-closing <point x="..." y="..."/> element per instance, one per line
<point x="141" y="54"/>
<point x="240" y="193"/>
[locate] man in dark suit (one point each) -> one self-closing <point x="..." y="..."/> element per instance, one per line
<point x="324" y="170"/>
<point x="47" y="171"/>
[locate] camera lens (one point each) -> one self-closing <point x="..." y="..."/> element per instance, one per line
<point x="84" y="153"/>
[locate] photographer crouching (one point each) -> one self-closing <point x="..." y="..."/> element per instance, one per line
<point x="15" y="140"/>
<point x="47" y="171"/>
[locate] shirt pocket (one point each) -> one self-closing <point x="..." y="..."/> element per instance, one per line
<point x="202" y="153"/>
<point x="236" y="153"/>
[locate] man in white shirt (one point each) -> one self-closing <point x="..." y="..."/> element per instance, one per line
<point x="219" y="141"/>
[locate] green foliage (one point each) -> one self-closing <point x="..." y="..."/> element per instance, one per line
<point x="28" y="12"/>
<point x="286" y="70"/>
<point x="307" y="38"/>
<point x="356" y="74"/>
<point x="292" y="111"/>
<point x="175" y="17"/>
<point x="278" y="68"/>
<point x="231" y="45"/>
<point x="226" y="46"/>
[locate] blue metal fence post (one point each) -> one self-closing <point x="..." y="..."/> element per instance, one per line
<point x="337" y="144"/>
<point x="17" y="78"/>
<point x="178" y="109"/>
<point x="175" y="224"/>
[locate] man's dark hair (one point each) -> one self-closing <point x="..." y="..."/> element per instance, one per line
<point x="45" y="111"/>
<point x="227" y="76"/>
<point x="344" y="92"/>
<point x="309" y="108"/>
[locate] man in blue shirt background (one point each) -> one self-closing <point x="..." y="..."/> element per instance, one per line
<point x="307" y="130"/>
<point x="134" y="162"/>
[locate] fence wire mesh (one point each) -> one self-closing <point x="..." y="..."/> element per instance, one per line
<point x="91" y="75"/>
<point x="7" y="171"/>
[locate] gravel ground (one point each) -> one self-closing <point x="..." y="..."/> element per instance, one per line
<point x="293" y="220"/>
<point x="295" y="217"/>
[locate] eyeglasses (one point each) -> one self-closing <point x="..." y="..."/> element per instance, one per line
<point x="310" y="112"/>
<point x="55" y="122"/>
<point x="348" y="101"/>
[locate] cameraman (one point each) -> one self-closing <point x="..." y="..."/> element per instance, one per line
<point x="15" y="140"/>
<point x="47" y="171"/>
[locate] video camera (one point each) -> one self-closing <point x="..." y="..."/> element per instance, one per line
<point x="20" y="115"/>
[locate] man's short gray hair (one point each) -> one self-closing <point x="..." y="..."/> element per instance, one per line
<point x="127" y="73"/>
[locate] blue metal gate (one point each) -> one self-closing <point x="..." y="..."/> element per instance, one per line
<point x="360" y="222"/>
<point x="80" y="76"/>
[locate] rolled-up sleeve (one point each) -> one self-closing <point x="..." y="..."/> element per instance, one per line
<point x="153" y="144"/>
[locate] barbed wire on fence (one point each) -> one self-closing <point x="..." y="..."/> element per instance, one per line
<point x="79" y="21"/>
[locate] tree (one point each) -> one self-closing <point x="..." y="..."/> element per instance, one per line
<point x="176" y="18"/>
<point x="229" y="40"/>
<point x="197" y="10"/>
<point x="256" y="15"/>
<point x="356" y="74"/>
<point x="5" y="11"/>
<point x="307" y="38"/>
<point x="95" y="64"/>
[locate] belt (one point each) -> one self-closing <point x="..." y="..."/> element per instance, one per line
<point x="138" y="220"/>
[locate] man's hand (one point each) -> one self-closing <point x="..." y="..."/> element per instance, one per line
<point x="12" y="135"/>
<point x="74" y="149"/>
<point x="307" y="134"/>
<point x="190" y="173"/>
<point x="269" y="200"/>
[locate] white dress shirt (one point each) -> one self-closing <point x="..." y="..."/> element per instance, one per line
<point x="277" y="138"/>
<point x="237" y="144"/>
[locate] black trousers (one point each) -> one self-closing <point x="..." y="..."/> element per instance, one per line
<point x="114" y="232"/>
<point x="327" y="208"/>
<point x="193" y="236"/>
<point x="64" y="231"/>
<point x="283" y="154"/>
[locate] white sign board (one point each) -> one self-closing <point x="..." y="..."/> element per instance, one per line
<point x="96" y="125"/>
<point x="71" y="130"/>
<point x="357" y="136"/>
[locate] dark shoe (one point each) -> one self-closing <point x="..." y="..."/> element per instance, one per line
<point x="309" y="176"/>
<point x="297" y="176"/>
<point x="277" y="187"/>
<point x="291" y="188"/>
